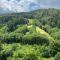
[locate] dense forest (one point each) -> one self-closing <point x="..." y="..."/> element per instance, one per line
<point x="33" y="35"/>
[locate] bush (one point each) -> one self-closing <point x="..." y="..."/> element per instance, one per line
<point x="12" y="37"/>
<point x="30" y="57"/>
<point x="57" y="56"/>
<point x="50" y="51"/>
<point x="35" y="38"/>
<point x="47" y="53"/>
<point x="5" y="54"/>
<point x="21" y="29"/>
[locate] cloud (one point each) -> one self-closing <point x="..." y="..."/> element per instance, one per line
<point x="27" y="5"/>
<point x="50" y="4"/>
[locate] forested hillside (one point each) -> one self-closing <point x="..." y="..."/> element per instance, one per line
<point x="31" y="35"/>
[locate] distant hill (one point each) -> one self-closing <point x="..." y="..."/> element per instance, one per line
<point x="45" y="16"/>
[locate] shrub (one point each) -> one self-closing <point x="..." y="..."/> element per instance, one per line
<point x="35" y="38"/>
<point x="57" y="56"/>
<point x="30" y="57"/>
<point x="12" y="37"/>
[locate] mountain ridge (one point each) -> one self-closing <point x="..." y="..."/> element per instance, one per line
<point x="31" y="35"/>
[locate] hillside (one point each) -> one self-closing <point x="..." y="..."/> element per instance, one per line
<point x="31" y="35"/>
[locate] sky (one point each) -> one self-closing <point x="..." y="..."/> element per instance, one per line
<point x="27" y="5"/>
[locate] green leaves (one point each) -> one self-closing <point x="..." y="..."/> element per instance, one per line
<point x="35" y="38"/>
<point x="57" y="56"/>
<point x="30" y="36"/>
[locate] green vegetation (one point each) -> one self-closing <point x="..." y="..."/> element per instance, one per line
<point x="31" y="35"/>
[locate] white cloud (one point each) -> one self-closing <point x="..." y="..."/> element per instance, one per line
<point x="20" y="6"/>
<point x="25" y="5"/>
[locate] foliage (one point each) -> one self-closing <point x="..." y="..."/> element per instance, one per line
<point x="31" y="35"/>
<point x="57" y="57"/>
